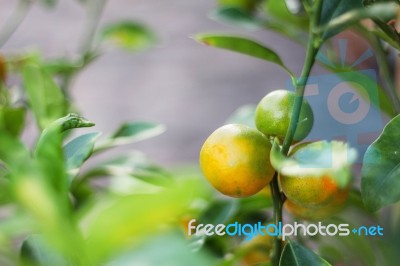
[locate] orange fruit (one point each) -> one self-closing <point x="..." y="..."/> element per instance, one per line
<point x="235" y="160"/>
<point x="317" y="213"/>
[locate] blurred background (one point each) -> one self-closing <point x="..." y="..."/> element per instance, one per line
<point x="190" y="88"/>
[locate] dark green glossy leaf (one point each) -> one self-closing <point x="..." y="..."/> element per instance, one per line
<point x="37" y="252"/>
<point x="44" y="96"/>
<point x="380" y="173"/>
<point x="378" y="11"/>
<point x="237" y="17"/>
<point x="131" y="133"/>
<point x="129" y="35"/>
<point x="295" y="254"/>
<point x="78" y="150"/>
<point x="334" y="8"/>
<point x="242" y="45"/>
<point x="12" y="120"/>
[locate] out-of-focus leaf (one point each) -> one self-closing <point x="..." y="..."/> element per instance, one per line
<point x="45" y="97"/>
<point x="78" y="150"/>
<point x="219" y="212"/>
<point x="244" y="46"/>
<point x="171" y="249"/>
<point x="129" y="35"/>
<point x="248" y="6"/>
<point x="378" y="11"/>
<point x="49" y="3"/>
<point x="62" y="66"/>
<point x="237" y="17"/>
<point x="278" y="11"/>
<point x="244" y="115"/>
<point x="380" y="173"/>
<point x="117" y="223"/>
<point x="12" y="120"/>
<point x="131" y="133"/>
<point x="12" y="152"/>
<point x="295" y="254"/>
<point x="49" y="153"/>
<point x="135" y="165"/>
<point x="37" y="252"/>
<point x="334" y="8"/>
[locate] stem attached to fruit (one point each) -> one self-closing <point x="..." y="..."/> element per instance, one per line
<point x="314" y="43"/>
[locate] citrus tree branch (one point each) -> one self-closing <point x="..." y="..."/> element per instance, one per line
<point x="313" y="45"/>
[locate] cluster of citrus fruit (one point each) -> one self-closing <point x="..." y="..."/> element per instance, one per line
<point x="239" y="161"/>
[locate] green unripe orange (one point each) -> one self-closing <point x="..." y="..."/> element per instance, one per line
<point x="273" y="115"/>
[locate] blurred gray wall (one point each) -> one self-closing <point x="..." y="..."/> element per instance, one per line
<point x="190" y="88"/>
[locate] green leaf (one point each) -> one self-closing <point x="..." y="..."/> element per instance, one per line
<point x="237" y="17"/>
<point x="380" y="173"/>
<point x="171" y="249"/>
<point x="134" y="165"/>
<point x="12" y="120"/>
<point x="37" y="252"/>
<point x="219" y="212"/>
<point x="62" y="66"/>
<point x="378" y="11"/>
<point x="244" y="115"/>
<point x="116" y="223"/>
<point x="78" y="150"/>
<point x="129" y="35"/>
<point x="277" y="10"/>
<point x="49" y="153"/>
<point x="244" y="46"/>
<point x="131" y="133"/>
<point x="294" y="254"/>
<point x="334" y="8"/>
<point x="44" y="96"/>
<point x="49" y="3"/>
<point x="367" y="83"/>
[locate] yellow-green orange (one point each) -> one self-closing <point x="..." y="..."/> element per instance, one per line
<point x="235" y="160"/>
<point x="309" y="190"/>
<point x="273" y="115"/>
<point x="318" y="212"/>
<point x="316" y="173"/>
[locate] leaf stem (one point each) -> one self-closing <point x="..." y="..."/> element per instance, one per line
<point x="15" y="20"/>
<point x="313" y="45"/>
